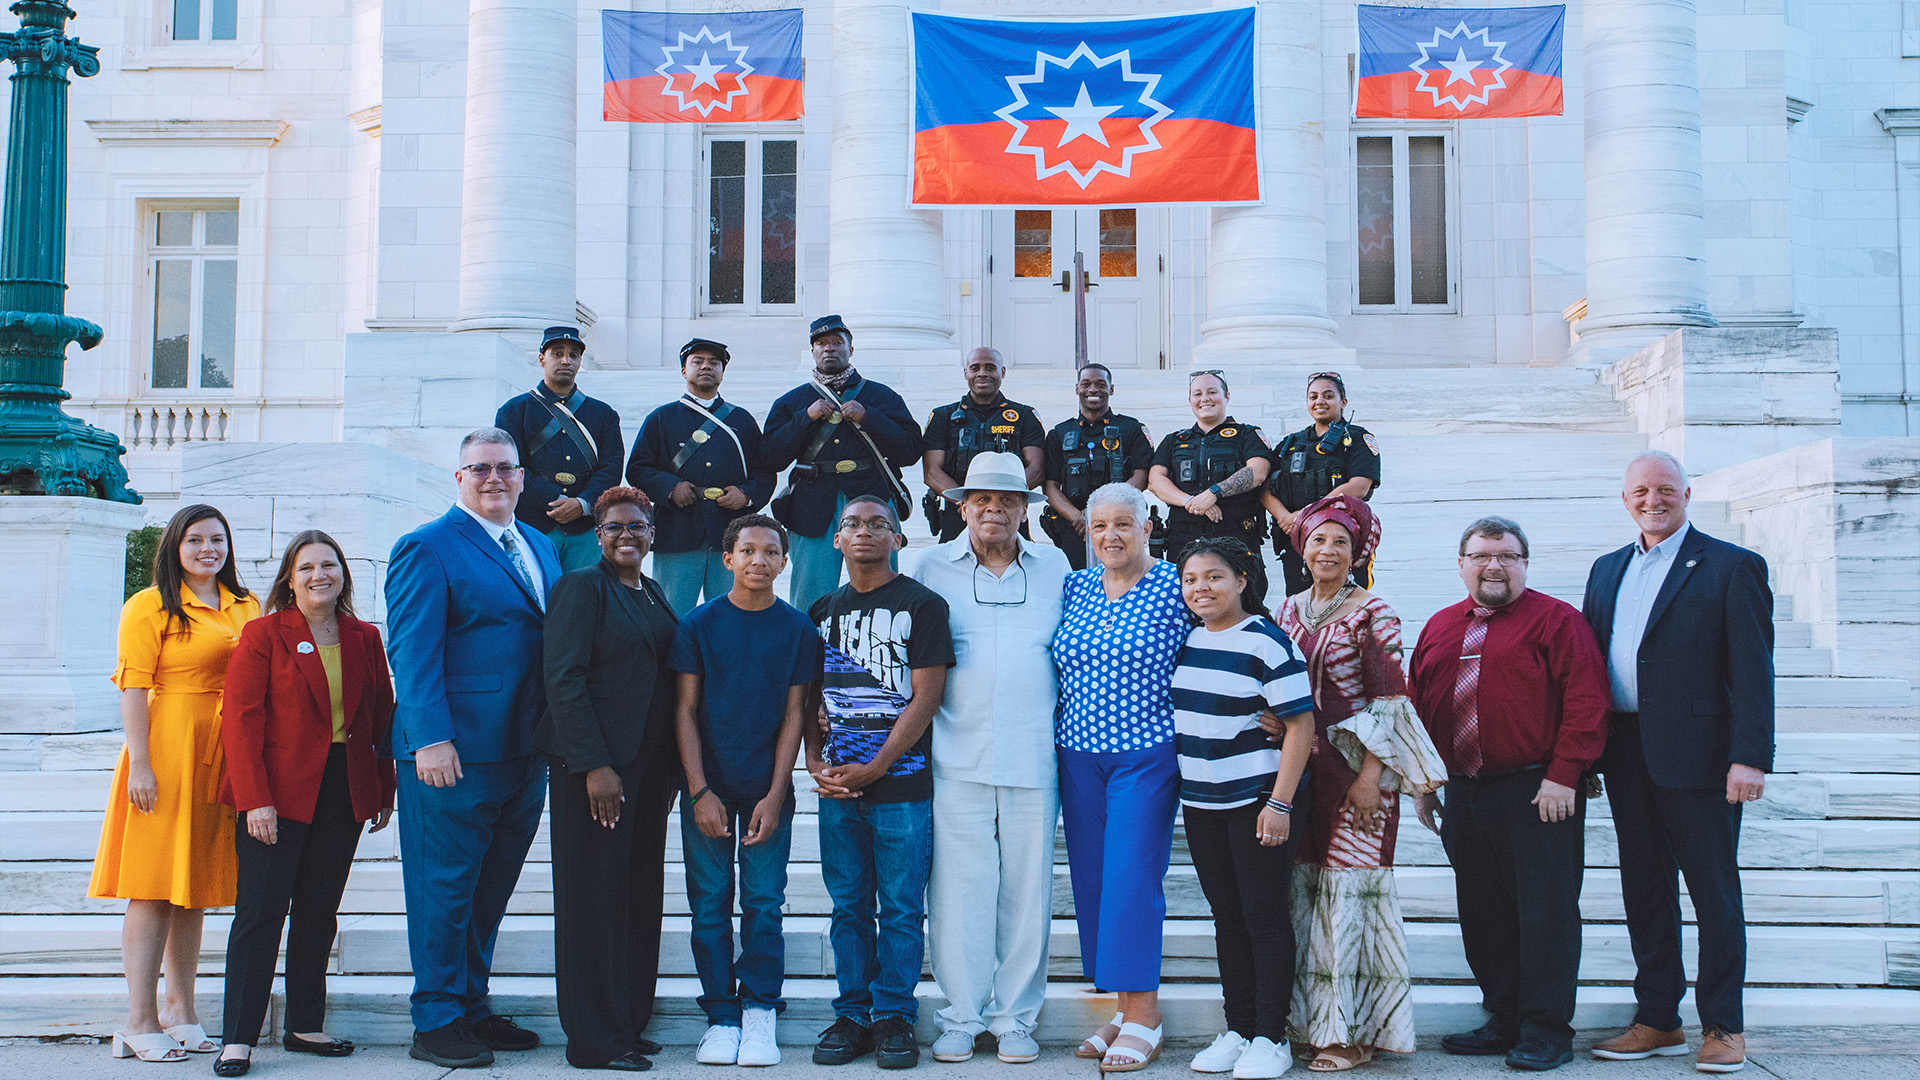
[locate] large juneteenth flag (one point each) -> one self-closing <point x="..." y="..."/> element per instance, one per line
<point x="1081" y="112"/>
<point x="1459" y="63"/>
<point x="724" y="66"/>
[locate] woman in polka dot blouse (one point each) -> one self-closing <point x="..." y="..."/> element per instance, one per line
<point x="1120" y="634"/>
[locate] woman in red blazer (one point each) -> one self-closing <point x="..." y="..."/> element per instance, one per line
<point x="308" y="708"/>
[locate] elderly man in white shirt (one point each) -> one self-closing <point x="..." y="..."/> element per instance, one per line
<point x="996" y="788"/>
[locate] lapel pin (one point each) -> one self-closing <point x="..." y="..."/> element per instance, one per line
<point x="304" y="647"/>
<point x="1691" y="563"/>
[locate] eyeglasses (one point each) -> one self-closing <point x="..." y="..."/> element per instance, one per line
<point x="873" y="525"/>
<point x="1505" y="558"/>
<point x="612" y="529"/>
<point x="1016" y="568"/>
<point x="483" y="469"/>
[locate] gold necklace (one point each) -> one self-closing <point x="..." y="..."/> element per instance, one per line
<point x="1314" y="620"/>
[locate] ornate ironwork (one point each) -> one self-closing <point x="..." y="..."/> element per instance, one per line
<point x="43" y="451"/>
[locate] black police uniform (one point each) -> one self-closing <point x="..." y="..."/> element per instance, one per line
<point x="1085" y="454"/>
<point x="678" y="444"/>
<point x="556" y="453"/>
<point x="1196" y="461"/>
<point x="1302" y="475"/>
<point x="965" y="429"/>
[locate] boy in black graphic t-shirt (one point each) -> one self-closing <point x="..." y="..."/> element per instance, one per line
<point x="888" y="649"/>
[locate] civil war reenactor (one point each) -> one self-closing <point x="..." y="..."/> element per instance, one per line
<point x="570" y="446"/>
<point x="1331" y="455"/>
<point x="1209" y="475"/>
<point x="845" y="436"/>
<point x="698" y="460"/>
<point x="981" y="421"/>
<point x="1095" y="448"/>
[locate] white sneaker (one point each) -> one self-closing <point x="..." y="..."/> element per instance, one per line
<point x="759" y="1038"/>
<point x="1222" y="1056"/>
<point x="719" y="1046"/>
<point x="1264" y="1059"/>
<point x="953" y="1045"/>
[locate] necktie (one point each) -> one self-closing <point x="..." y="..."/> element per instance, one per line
<point x="1466" y="696"/>
<point x="519" y="563"/>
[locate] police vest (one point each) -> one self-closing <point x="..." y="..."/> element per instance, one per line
<point x="974" y="434"/>
<point x="1202" y="461"/>
<point x="1304" y="475"/>
<point x="1091" y="463"/>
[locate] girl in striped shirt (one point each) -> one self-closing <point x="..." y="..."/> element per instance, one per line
<point x="1241" y="796"/>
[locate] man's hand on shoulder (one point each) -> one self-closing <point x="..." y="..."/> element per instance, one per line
<point x="438" y="765"/>
<point x="1745" y="784"/>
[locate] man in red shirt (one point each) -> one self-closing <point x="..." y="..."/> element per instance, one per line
<point x="1514" y="692"/>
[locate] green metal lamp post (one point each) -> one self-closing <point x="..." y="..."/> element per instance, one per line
<point x="43" y="451"/>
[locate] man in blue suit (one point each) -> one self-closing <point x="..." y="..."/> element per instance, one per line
<point x="466" y="596"/>
<point x="1686" y="624"/>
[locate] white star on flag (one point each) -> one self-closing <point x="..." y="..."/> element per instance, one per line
<point x="1459" y="69"/>
<point x="1492" y="60"/>
<point x="706" y="72"/>
<point x="1083" y="118"/>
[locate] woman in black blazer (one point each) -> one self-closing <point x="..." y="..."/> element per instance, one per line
<point x="608" y="734"/>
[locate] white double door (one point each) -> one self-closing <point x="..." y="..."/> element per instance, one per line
<point x="1031" y="318"/>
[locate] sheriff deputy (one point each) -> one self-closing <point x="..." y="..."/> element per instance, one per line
<point x="1327" y="456"/>
<point x="570" y="446"/>
<point x="1210" y="474"/>
<point x="1095" y="448"/>
<point x="983" y="420"/>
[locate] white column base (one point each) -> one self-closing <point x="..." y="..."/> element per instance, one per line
<point x="1238" y="342"/>
<point x="65" y="560"/>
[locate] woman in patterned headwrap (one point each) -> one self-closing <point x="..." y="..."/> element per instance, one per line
<point x="1352" y="991"/>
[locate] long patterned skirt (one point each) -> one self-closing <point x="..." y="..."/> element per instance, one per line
<point x="1351" y="985"/>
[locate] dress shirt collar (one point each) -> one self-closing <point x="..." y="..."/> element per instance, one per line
<point x="705" y="403"/>
<point x="963" y="550"/>
<point x="494" y="532"/>
<point x="1665" y="550"/>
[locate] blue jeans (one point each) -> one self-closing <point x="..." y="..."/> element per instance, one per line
<point x="684" y="575"/>
<point x="726" y="984"/>
<point x="884" y="850"/>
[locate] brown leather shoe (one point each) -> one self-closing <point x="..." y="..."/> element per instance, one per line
<point x="1721" y="1052"/>
<point x="1641" y="1041"/>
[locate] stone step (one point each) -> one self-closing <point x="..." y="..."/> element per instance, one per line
<point x="372" y="1009"/>
<point x="377" y="945"/>
<point x="1842" y="692"/>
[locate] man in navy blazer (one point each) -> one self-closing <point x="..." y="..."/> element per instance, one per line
<point x="466" y="597"/>
<point x="1686" y="623"/>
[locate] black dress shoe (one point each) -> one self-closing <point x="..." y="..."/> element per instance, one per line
<point x="226" y="1066"/>
<point x="649" y="1048"/>
<point x="1485" y="1040"/>
<point x="501" y="1033"/>
<point x="846" y="1040"/>
<point x="1538" y="1055"/>
<point x="330" y="1048"/>
<point x="894" y="1046"/>
<point x="450" y="1046"/>
<point x="623" y="1063"/>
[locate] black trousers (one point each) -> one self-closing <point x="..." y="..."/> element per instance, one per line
<point x="294" y="883"/>
<point x="1665" y="833"/>
<point x="1517" y="881"/>
<point x="1250" y="889"/>
<point x="609" y="886"/>
<point x="1249" y="531"/>
<point x="1066" y="538"/>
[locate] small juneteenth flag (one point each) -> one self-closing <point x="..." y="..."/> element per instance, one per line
<point x="1459" y="63"/>
<point x="720" y="67"/>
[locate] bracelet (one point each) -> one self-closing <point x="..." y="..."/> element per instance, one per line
<point x="698" y="794"/>
<point x="1280" y="807"/>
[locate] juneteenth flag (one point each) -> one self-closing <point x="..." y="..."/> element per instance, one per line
<point x="1082" y="112"/>
<point x="1459" y="63"/>
<point x="720" y="67"/>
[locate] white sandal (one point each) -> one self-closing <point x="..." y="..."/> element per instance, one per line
<point x="1094" y="1040"/>
<point x="151" y="1046"/>
<point x="193" y="1039"/>
<point x="1135" y="1060"/>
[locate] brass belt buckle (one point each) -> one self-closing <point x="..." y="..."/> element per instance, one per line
<point x="564" y="478"/>
<point x="713" y="493"/>
<point x="845" y="466"/>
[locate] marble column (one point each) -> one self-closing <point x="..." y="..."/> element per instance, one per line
<point x="887" y="268"/>
<point x="1646" y="235"/>
<point x="1267" y="264"/>
<point x="517" y="203"/>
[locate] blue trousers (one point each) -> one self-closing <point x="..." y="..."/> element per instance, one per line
<point x="1118" y="808"/>
<point x="884" y="851"/>
<point x="685" y="575"/>
<point x="727" y="985"/>
<point x="577" y="551"/>
<point x="461" y="849"/>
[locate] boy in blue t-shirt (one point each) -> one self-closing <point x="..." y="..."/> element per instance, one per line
<point x="747" y="661"/>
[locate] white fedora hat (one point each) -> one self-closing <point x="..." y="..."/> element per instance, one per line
<point x="995" y="471"/>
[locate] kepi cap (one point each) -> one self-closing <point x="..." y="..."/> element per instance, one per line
<point x="828" y="324"/>
<point x="995" y="470"/>
<point x="561" y="333"/>
<point x="701" y="344"/>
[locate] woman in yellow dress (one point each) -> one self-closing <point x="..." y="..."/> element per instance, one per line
<point x="167" y="845"/>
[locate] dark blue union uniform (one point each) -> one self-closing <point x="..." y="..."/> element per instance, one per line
<point x="1195" y="461"/>
<point x="557" y="459"/>
<point x="676" y="444"/>
<point x="843" y="466"/>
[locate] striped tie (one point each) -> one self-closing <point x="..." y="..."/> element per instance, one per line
<point x="519" y="564"/>
<point x="1466" y="696"/>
